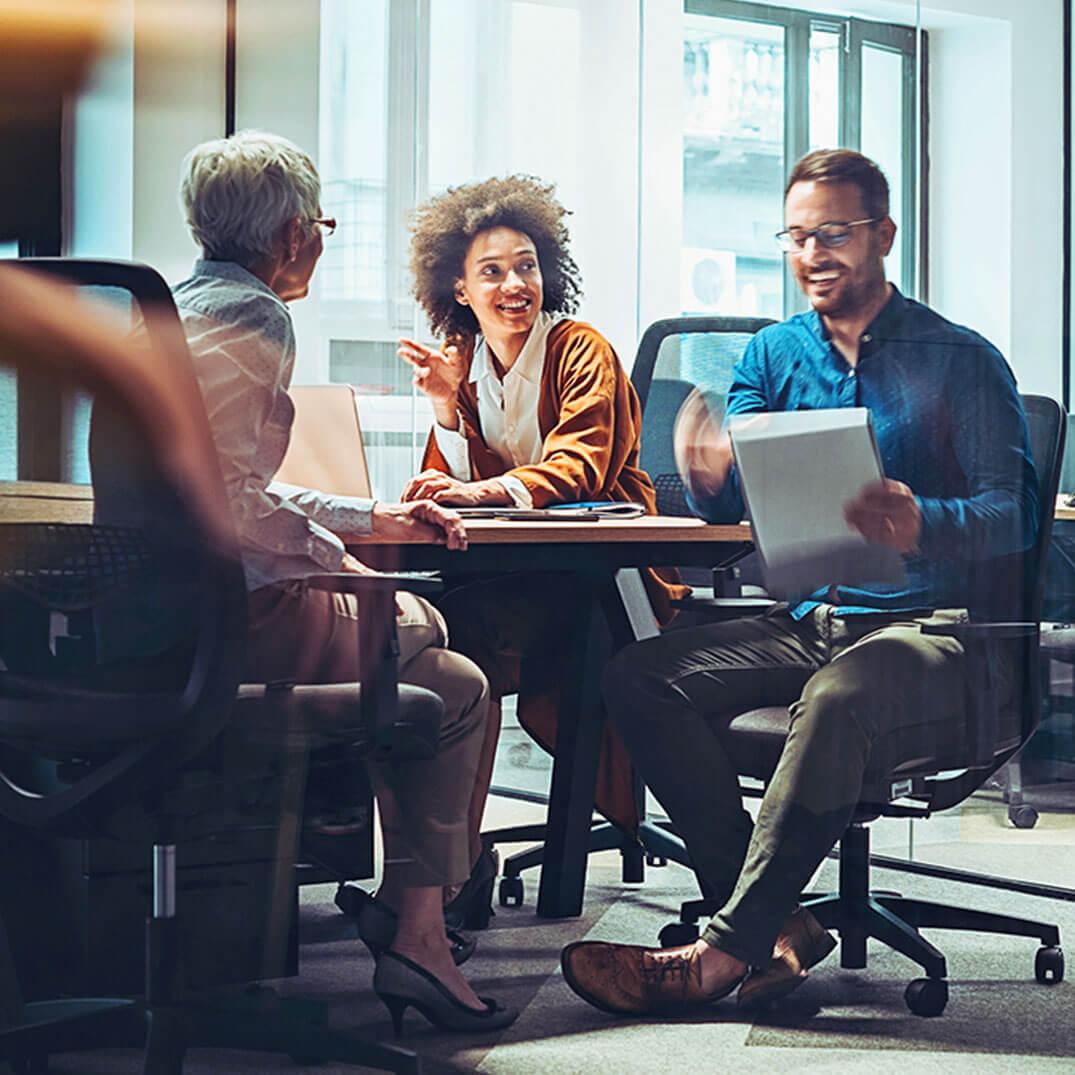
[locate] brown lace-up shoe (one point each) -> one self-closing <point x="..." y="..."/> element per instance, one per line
<point x="802" y="944"/>
<point x="626" y="979"/>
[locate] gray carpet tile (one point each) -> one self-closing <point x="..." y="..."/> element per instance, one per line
<point x="998" y="1017"/>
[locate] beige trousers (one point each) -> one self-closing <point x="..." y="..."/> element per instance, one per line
<point x="310" y="636"/>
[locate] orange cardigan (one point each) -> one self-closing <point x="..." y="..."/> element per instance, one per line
<point x="591" y="422"/>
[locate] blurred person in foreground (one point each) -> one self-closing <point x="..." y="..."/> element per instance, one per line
<point x="252" y="202"/>
<point x="46" y="50"/>
<point x="852" y="663"/>
<point x="531" y="408"/>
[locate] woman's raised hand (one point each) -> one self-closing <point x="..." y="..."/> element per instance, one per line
<point x="437" y="373"/>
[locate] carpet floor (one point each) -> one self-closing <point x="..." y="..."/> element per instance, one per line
<point x="998" y="1018"/>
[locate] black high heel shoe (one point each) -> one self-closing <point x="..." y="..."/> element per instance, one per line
<point x="377" y="925"/>
<point x="401" y="983"/>
<point x="472" y="906"/>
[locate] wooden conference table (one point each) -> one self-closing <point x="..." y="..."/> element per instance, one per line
<point x="601" y="556"/>
<point x="62" y="502"/>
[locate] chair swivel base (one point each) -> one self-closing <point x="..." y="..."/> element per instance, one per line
<point x="263" y="1022"/>
<point x="257" y="1021"/>
<point x="655" y="846"/>
<point x="64" y="1026"/>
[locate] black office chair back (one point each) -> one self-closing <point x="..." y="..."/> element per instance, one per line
<point x="1059" y="600"/>
<point x="1047" y="426"/>
<point x="1000" y="731"/>
<point x="675" y="356"/>
<point x="122" y="640"/>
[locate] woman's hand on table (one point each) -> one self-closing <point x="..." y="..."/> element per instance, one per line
<point x="442" y="488"/>
<point x="421" y="519"/>
<point x="438" y="374"/>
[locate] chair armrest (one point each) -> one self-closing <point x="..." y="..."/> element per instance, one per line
<point x="381" y="582"/>
<point x="724" y="608"/>
<point x="990" y="711"/>
<point x="389" y="729"/>
<point x="983" y="632"/>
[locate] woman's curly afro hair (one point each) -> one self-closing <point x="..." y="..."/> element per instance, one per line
<point x="446" y="225"/>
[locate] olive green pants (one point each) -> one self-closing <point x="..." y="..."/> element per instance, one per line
<point x="866" y="693"/>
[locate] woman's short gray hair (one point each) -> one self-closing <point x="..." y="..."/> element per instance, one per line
<point x="237" y="192"/>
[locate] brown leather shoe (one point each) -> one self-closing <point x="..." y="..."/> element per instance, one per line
<point x="802" y="944"/>
<point x="626" y="979"/>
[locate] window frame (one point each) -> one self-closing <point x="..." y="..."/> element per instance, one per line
<point x="856" y="34"/>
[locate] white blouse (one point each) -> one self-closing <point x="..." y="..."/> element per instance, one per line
<point x="507" y="411"/>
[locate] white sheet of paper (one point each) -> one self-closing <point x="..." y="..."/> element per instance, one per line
<point x="797" y="470"/>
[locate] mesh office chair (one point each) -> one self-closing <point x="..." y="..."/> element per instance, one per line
<point x="122" y="715"/>
<point x="1057" y="645"/>
<point x="674" y="356"/>
<point x="940" y="780"/>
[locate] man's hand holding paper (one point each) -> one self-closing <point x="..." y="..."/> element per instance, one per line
<point x="822" y="512"/>
<point x="887" y="513"/>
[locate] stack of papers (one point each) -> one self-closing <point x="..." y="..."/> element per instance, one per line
<point x="797" y="470"/>
<point x="614" y="509"/>
<point x="589" y="511"/>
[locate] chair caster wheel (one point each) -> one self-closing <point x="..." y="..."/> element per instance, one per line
<point x="927" y="996"/>
<point x="677" y="933"/>
<point x="656" y="860"/>
<point x="1049" y="965"/>
<point x="349" y="900"/>
<point x="1023" y="817"/>
<point x="510" y="892"/>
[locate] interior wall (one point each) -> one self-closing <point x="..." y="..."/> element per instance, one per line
<point x="996" y="193"/>
<point x="972" y="262"/>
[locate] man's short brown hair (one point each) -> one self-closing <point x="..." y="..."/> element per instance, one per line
<point x="845" y="166"/>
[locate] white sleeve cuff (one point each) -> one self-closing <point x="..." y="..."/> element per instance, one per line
<point x="453" y="446"/>
<point x="517" y="491"/>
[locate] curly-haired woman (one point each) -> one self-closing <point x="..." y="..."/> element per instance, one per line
<point x="531" y="408"/>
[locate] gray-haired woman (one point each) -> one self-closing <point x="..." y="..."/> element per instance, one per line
<point x="252" y="202"/>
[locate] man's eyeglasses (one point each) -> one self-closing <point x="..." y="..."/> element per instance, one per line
<point x="830" y="235"/>
<point x="327" y="224"/>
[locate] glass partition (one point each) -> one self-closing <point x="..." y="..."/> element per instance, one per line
<point x="669" y="135"/>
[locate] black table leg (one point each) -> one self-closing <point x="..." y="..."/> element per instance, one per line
<point x="574" y="773"/>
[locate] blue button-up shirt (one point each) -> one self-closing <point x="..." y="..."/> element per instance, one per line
<point x="949" y="423"/>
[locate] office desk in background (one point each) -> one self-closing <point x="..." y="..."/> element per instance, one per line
<point x="604" y="557"/>
<point x="45" y="502"/>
